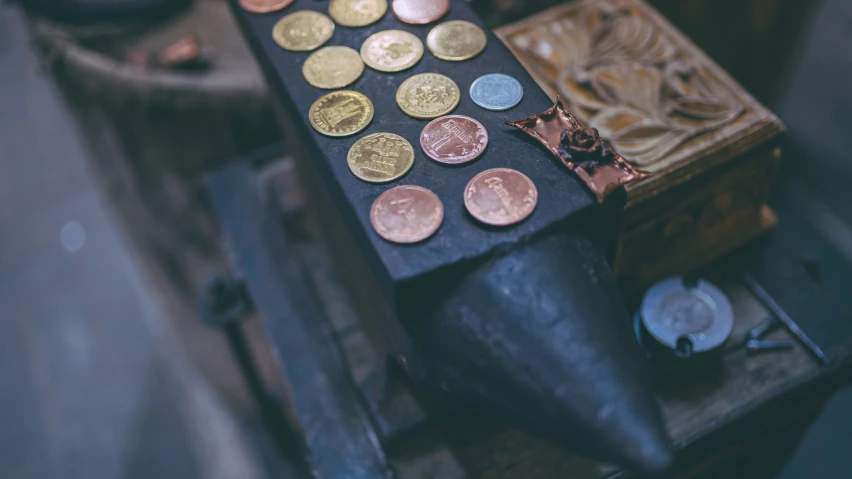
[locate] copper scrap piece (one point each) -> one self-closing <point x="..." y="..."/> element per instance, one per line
<point x="187" y="53"/>
<point x="180" y="53"/>
<point x="420" y="11"/>
<point x="600" y="167"/>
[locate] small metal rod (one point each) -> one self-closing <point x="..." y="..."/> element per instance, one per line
<point x="779" y="313"/>
<point x="762" y="328"/>
<point x="754" y="346"/>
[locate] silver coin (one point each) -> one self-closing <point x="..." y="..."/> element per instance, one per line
<point x="496" y="92"/>
<point x="700" y="313"/>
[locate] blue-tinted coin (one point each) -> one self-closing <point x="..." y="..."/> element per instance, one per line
<point x="496" y="92"/>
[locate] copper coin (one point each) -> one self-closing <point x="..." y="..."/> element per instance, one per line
<point x="264" y="6"/>
<point x="454" y="139"/>
<point x="406" y="214"/>
<point x="420" y="11"/>
<point x="500" y="197"/>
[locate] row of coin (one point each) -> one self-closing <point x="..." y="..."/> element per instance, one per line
<point x="350" y="13"/>
<point x="423" y="96"/>
<point x="496" y="197"/>
<point x="386" y="51"/>
<point x="384" y="157"/>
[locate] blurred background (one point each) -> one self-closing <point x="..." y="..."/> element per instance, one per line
<point x="105" y="239"/>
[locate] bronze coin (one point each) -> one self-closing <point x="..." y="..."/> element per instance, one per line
<point x="264" y="6"/>
<point x="406" y="214"/>
<point x="420" y="12"/>
<point x="454" y="139"/>
<point x="500" y="197"/>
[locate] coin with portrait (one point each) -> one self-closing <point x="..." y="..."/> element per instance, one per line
<point x="456" y="40"/>
<point x="357" y="13"/>
<point x="302" y="31"/>
<point x="391" y="50"/>
<point x="333" y="67"/>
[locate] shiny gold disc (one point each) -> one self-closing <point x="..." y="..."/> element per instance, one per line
<point x="341" y="113"/>
<point x="302" y="31"/>
<point x="391" y="51"/>
<point x="333" y="67"/>
<point x="456" y="40"/>
<point x="380" y="157"/>
<point x="357" y="13"/>
<point x="428" y="95"/>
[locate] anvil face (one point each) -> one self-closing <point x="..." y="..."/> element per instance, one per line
<point x="561" y="194"/>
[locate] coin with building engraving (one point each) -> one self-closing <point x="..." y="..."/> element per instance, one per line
<point x="456" y="40"/>
<point x="496" y="92"/>
<point x="333" y="67"/>
<point x="500" y="197"/>
<point x="341" y="113"/>
<point x="406" y="214"/>
<point x="264" y="6"/>
<point x="302" y="31"/>
<point x="420" y="11"/>
<point x="454" y="139"/>
<point x="380" y="157"/>
<point x="428" y="95"/>
<point x="357" y="13"/>
<point x="391" y="50"/>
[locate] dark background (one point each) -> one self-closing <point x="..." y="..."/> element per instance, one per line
<point x="97" y="376"/>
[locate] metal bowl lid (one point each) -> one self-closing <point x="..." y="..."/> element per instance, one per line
<point x="680" y="315"/>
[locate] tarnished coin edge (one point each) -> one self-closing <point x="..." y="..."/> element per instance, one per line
<point x="303" y="12"/>
<point x="431" y="42"/>
<point x="341" y="47"/>
<point x="419" y="239"/>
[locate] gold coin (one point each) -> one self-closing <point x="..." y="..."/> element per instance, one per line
<point x="428" y="95"/>
<point x="391" y="51"/>
<point x="341" y="113"/>
<point x="357" y="13"/>
<point x="333" y="67"/>
<point x="302" y="31"/>
<point x="456" y="40"/>
<point x="380" y="157"/>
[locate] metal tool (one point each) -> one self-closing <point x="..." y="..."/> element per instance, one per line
<point x="782" y="316"/>
<point x="755" y="345"/>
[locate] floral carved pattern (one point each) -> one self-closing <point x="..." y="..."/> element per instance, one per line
<point x="621" y="73"/>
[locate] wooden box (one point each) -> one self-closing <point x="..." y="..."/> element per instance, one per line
<point x="625" y="70"/>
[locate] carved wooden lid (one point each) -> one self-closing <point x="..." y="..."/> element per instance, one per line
<point x="655" y="96"/>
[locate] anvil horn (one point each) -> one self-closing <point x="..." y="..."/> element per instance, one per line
<point x="541" y="334"/>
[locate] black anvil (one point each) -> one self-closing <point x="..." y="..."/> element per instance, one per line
<point x="526" y="320"/>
